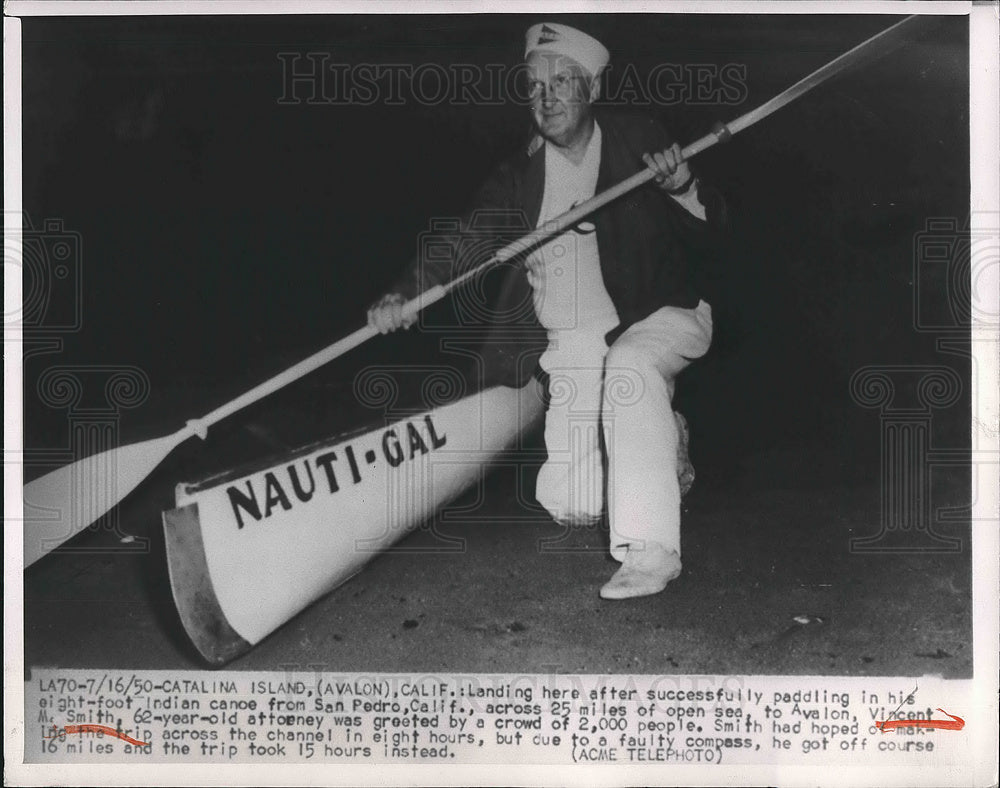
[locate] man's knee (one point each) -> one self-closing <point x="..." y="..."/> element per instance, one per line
<point x="566" y="500"/>
<point x="629" y="375"/>
<point x="624" y="355"/>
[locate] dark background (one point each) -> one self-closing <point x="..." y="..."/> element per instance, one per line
<point x="222" y="236"/>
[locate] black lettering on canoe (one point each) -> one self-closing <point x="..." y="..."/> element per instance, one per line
<point x="301" y="494"/>
<point x="416" y="442"/>
<point x="325" y="461"/>
<point x="274" y="494"/>
<point x="355" y="473"/>
<point x="391" y="449"/>
<point x="246" y="503"/>
<point x="436" y="442"/>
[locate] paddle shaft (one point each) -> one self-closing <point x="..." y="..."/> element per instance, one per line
<point x="433" y="294"/>
<point x="554" y="227"/>
<point x="311" y="363"/>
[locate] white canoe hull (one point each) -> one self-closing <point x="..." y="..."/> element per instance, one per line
<point x="248" y="552"/>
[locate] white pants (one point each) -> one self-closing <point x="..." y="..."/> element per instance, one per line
<point x="624" y="391"/>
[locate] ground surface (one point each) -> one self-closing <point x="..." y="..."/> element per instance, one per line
<point x="498" y="594"/>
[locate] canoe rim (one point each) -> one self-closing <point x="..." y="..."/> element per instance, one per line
<point x="273" y="458"/>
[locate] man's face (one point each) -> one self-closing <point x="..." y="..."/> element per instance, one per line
<point x="561" y="92"/>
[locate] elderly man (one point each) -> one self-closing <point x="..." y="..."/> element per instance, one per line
<point x="615" y="299"/>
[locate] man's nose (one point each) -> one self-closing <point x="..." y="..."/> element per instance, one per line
<point x="548" y="95"/>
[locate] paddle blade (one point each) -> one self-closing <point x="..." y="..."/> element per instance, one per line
<point x="62" y="503"/>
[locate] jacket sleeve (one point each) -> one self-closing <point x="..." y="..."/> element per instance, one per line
<point x="509" y="350"/>
<point x="452" y="246"/>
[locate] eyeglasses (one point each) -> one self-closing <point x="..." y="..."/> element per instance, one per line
<point x="560" y="86"/>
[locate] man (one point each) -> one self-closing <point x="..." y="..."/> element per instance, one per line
<point x="615" y="298"/>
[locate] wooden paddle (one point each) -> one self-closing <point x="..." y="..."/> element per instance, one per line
<point x="69" y="499"/>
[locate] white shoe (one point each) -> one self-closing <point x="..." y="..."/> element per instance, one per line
<point x="644" y="571"/>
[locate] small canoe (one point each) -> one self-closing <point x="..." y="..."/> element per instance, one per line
<point x="250" y="548"/>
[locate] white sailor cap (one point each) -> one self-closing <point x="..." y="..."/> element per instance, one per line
<point x="565" y="40"/>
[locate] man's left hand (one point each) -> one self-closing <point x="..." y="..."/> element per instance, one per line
<point x="671" y="171"/>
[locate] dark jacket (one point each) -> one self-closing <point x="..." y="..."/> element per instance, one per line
<point x="651" y="248"/>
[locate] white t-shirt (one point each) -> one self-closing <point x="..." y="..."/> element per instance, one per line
<point x="569" y="292"/>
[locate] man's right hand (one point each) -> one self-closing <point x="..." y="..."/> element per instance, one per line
<point x="386" y="314"/>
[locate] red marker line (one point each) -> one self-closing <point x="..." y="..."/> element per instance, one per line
<point x="954" y="724"/>
<point x="107" y="731"/>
